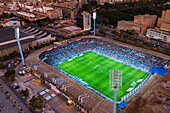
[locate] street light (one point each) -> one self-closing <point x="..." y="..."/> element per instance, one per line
<point x="19" y="45"/>
<point x="115" y="81"/>
<point x="94" y="18"/>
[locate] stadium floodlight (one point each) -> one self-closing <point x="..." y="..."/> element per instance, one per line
<point x="19" y="45"/>
<point x="115" y="81"/>
<point x="94" y="18"/>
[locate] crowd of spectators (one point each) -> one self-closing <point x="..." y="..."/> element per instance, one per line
<point x="134" y="58"/>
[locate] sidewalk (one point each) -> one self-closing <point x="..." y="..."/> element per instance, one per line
<point x="15" y="97"/>
<point x="1" y="72"/>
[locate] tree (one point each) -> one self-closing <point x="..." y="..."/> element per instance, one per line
<point x="36" y="102"/>
<point x="14" y="54"/>
<point x="87" y="32"/>
<point x="25" y="92"/>
<point x="72" y="36"/>
<point x="2" y="66"/>
<point x="32" y="103"/>
<point x="1" y="58"/>
<point x="11" y="55"/>
<point x="12" y="78"/>
<point x="114" y="32"/>
<point x="102" y="32"/>
<point x="80" y="34"/>
<point x="9" y="73"/>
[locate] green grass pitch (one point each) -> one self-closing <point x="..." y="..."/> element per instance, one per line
<point x="94" y="70"/>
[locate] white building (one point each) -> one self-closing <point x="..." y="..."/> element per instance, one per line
<point x="45" y="9"/>
<point x="158" y="34"/>
<point x="26" y="14"/>
<point x="13" y="24"/>
<point x="29" y="7"/>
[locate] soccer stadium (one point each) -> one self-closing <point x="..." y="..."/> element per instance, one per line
<point x="81" y="67"/>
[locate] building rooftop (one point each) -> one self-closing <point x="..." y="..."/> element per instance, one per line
<point x="26" y="14"/>
<point x="146" y="15"/>
<point x="7" y="34"/>
<point x="12" y="19"/>
<point x="133" y="23"/>
<point x="159" y="31"/>
<point x="72" y="28"/>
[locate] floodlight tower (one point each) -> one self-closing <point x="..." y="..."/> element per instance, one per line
<point x="115" y="81"/>
<point x="19" y="45"/>
<point x="94" y="18"/>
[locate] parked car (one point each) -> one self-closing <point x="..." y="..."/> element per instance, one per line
<point x="14" y="84"/>
<point x="11" y="64"/>
<point x="16" y="63"/>
<point x="19" y="89"/>
<point x="21" y="72"/>
<point x="16" y="87"/>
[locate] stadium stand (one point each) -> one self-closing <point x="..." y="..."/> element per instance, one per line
<point x="119" y="53"/>
<point x="59" y="54"/>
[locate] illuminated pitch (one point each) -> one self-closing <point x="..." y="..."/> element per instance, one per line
<point x="94" y="70"/>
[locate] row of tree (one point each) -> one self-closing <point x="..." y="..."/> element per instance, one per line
<point x="43" y="45"/>
<point x="10" y="56"/>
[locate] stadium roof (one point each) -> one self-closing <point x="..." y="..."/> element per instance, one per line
<point x="7" y="38"/>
